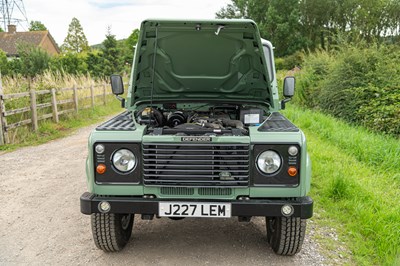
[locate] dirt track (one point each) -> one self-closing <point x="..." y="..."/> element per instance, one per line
<point x="40" y="221"/>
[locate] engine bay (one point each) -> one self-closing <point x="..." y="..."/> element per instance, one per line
<point x="198" y="120"/>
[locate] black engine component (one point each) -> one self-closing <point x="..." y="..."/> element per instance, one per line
<point x="233" y="123"/>
<point x="176" y="118"/>
<point x="222" y="120"/>
<point x="188" y="127"/>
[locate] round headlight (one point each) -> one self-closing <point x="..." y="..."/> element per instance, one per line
<point x="269" y="162"/>
<point x="124" y="160"/>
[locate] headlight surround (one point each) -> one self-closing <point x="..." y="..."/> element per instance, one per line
<point x="124" y="160"/>
<point x="269" y="162"/>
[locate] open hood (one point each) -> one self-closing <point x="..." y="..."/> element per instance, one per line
<point x="211" y="60"/>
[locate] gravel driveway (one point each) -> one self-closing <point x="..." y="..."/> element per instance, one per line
<point x="41" y="223"/>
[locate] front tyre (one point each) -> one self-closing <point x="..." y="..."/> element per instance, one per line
<point x="111" y="231"/>
<point x="285" y="234"/>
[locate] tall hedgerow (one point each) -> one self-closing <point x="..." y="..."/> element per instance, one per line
<point x="358" y="84"/>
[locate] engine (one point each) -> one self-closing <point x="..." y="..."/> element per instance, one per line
<point x="227" y="120"/>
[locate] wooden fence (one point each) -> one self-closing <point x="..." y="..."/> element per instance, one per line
<point x="66" y="103"/>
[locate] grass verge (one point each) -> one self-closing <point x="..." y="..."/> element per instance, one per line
<point x="355" y="185"/>
<point x="68" y="123"/>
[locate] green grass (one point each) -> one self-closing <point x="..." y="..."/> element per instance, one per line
<point x="355" y="185"/>
<point x="48" y="130"/>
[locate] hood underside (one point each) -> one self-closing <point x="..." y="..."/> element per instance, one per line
<point x="200" y="60"/>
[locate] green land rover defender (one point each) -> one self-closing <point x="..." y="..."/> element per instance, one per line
<point x="201" y="136"/>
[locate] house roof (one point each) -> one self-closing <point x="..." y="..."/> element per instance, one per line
<point x="9" y="41"/>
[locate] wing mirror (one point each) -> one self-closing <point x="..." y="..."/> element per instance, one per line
<point x="117" y="87"/>
<point x="288" y="90"/>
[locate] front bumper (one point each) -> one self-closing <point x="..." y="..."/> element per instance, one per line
<point x="303" y="207"/>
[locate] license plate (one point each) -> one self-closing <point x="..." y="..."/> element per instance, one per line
<point x="194" y="209"/>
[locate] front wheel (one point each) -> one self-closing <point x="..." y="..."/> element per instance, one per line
<point x="285" y="234"/>
<point x="111" y="231"/>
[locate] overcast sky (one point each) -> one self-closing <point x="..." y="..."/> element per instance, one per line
<point x="122" y="15"/>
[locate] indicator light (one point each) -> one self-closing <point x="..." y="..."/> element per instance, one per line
<point x="292" y="171"/>
<point x="101" y="169"/>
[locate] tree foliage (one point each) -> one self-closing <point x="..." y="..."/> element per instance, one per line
<point x="76" y="41"/>
<point x="294" y="25"/>
<point x="95" y="63"/>
<point x="111" y="55"/>
<point x="36" y="25"/>
<point x="3" y="63"/>
<point x="33" y="60"/>
<point x="71" y="63"/>
<point x="356" y="83"/>
<point x="128" y="47"/>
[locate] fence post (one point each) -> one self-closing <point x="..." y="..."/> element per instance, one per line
<point x="92" y="93"/>
<point x="76" y="98"/>
<point x="54" y="105"/>
<point x="104" y="94"/>
<point x="1" y="113"/>
<point x="34" y="110"/>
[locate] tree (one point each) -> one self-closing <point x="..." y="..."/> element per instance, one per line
<point x="111" y="54"/>
<point x="235" y="10"/>
<point x="279" y="21"/>
<point x="250" y="9"/>
<point x="34" y="60"/>
<point x="294" y="25"/>
<point x="282" y="26"/>
<point x="1" y="29"/>
<point x="36" y="25"/>
<point x="129" y="44"/>
<point x="95" y="63"/>
<point x="76" y="41"/>
<point x="315" y="19"/>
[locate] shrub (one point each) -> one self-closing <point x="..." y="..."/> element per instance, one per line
<point x="95" y="63"/>
<point x="71" y="63"/>
<point x="289" y="62"/>
<point x="315" y="70"/>
<point x="355" y="83"/>
<point x="378" y="108"/>
<point x="279" y="64"/>
<point x="34" y="60"/>
<point x="3" y="63"/>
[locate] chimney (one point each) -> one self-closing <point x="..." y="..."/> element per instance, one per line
<point x="12" y="29"/>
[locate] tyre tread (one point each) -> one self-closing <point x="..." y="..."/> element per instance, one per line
<point x="107" y="232"/>
<point x="288" y="235"/>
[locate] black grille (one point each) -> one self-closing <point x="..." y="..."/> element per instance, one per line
<point x="215" y="191"/>
<point x="196" y="164"/>
<point x="177" y="191"/>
